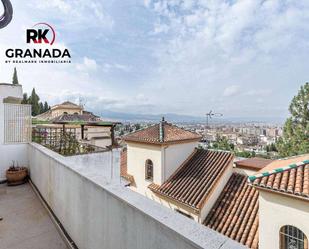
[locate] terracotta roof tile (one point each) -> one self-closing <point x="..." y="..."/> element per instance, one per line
<point x="254" y="163"/>
<point x="161" y="133"/>
<point x="235" y="213"/>
<point x="195" y="179"/>
<point x="88" y="117"/>
<point x="123" y="167"/>
<point x="292" y="181"/>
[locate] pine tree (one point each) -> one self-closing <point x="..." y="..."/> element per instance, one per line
<point x="295" y="138"/>
<point x="34" y="101"/>
<point x="15" y="77"/>
<point x="46" y="107"/>
<point x="41" y="107"/>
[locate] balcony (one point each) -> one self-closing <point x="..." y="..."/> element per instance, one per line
<point x="93" y="209"/>
<point x="26" y="221"/>
<point x="85" y="196"/>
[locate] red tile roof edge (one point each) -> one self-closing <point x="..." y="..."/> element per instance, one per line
<point x="155" y="187"/>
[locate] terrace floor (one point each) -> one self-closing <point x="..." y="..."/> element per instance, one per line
<point x="26" y="223"/>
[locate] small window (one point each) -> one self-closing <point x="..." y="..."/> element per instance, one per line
<point x="65" y="113"/>
<point x="75" y="113"/>
<point x="292" y="238"/>
<point x="149" y="170"/>
<point x="183" y="213"/>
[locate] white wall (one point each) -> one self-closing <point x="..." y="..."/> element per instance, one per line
<point x="175" y="155"/>
<point x="16" y="152"/>
<point x="137" y="155"/>
<point x="214" y="195"/>
<point x="98" y="215"/>
<point x="166" y="159"/>
<point x="277" y="210"/>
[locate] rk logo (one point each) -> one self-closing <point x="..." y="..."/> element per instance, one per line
<point x="43" y="34"/>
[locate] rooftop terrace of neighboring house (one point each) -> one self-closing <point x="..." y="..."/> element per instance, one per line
<point x="86" y="197"/>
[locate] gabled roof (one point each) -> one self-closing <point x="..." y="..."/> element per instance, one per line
<point x="194" y="181"/>
<point x="162" y="133"/>
<point x="254" y="163"/>
<point x="291" y="179"/>
<point x="66" y="104"/>
<point x="235" y="213"/>
<point x="76" y="118"/>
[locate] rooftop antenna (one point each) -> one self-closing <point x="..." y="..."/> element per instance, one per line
<point x="81" y="102"/>
<point x="211" y="114"/>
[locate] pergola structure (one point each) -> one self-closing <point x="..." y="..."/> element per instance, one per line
<point x="83" y="124"/>
<point x="82" y="120"/>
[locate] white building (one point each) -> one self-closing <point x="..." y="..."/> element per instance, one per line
<point x="14" y="136"/>
<point x="84" y="197"/>
<point x="247" y="201"/>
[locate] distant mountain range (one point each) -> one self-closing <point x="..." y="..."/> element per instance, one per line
<point x="177" y="118"/>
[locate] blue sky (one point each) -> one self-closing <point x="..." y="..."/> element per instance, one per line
<point x="241" y="58"/>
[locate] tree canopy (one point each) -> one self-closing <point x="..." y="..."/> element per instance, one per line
<point x="34" y="100"/>
<point x="222" y="143"/>
<point x="295" y="139"/>
<point x="15" y="77"/>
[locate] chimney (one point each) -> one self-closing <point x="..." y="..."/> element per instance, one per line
<point x="161" y="130"/>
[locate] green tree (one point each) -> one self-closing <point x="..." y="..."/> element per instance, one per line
<point x="222" y="143"/>
<point x="46" y="107"/>
<point x="25" y="99"/>
<point x="137" y="126"/>
<point x="41" y="107"/>
<point x="34" y="101"/>
<point x="295" y="139"/>
<point x="15" y="77"/>
<point x="246" y="154"/>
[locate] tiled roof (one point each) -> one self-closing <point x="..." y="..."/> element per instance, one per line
<point x="67" y="104"/>
<point x="254" y="163"/>
<point x="280" y="163"/>
<point x="235" y="213"/>
<point x="123" y="167"/>
<point x="192" y="183"/>
<point x="292" y="179"/>
<point x="161" y="133"/>
<point x="89" y="117"/>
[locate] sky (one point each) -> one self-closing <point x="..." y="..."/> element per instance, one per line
<point x="242" y="58"/>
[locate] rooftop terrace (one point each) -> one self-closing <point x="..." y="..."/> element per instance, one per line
<point x="26" y="221"/>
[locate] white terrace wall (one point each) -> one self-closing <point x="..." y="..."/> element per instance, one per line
<point x="10" y="152"/>
<point x="98" y="215"/>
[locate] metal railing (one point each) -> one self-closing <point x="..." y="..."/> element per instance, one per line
<point x="63" y="141"/>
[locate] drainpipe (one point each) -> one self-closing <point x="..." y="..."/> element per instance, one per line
<point x="163" y="147"/>
<point x="163" y="161"/>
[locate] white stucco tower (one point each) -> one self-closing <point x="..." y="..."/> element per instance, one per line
<point x="162" y="147"/>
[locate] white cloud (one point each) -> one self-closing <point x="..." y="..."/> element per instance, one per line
<point x="185" y="56"/>
<point x="231" y="91"/>
<point x="77" y="13"/>
<point x="254" y="43"/>
<point x="87" y="65"/>
<point x="107" y="67"/>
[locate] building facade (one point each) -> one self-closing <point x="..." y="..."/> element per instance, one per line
<point x="246" y="200"/>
